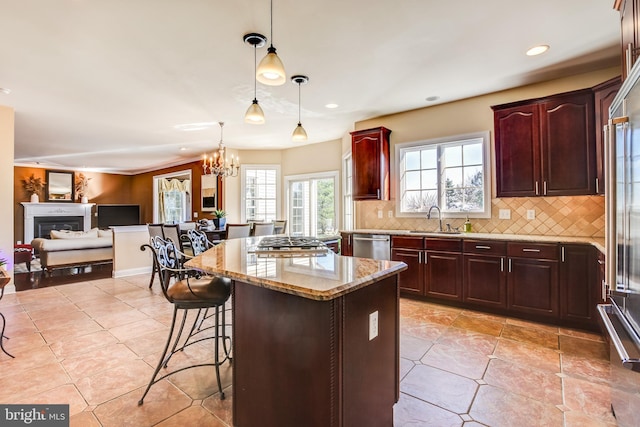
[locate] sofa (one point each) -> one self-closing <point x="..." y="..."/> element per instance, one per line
<point x="74" y="248"/>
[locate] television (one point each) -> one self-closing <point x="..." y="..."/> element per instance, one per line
<point x="110" y="215"/>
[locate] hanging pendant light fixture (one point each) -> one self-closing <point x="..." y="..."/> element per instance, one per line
<point x="271" y="71"/>
<point x="254" y="114"/>
<point x="299" y="134"/>
<point x="217" y="164"/>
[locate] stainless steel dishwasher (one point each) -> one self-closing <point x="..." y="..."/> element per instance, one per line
<point x="376" y="246"/>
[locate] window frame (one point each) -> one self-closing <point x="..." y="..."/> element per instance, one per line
<point x="243" y="183"/>
<point x="347" y="193"/>
<point x="401" y="148"/>
<point x="335" y="175"/>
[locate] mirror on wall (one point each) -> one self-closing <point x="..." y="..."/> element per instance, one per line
<point x="59" y="186"/>
<point x="209" y="190"/>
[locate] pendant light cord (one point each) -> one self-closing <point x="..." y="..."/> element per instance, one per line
<point x="271" y="23"/>
<point x="255" y="70"/>
<point x="299" y="103"/>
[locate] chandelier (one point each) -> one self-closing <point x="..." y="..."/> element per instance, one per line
<point x="218" y="164"/>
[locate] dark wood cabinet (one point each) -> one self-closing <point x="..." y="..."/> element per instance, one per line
<point x="346" y="244"/>
<point x="371" y="169"/>
<point x="630" y="33"/>
<point x="484" y="275"/>
<point x="532" y="279"/>
<point x="603" y="95"/>
<point x="580" y="291"/>
<point x="517" y="136"/>
<point x="434" y="266"/>
<point x="409" y="249"/>
<point x="567" y="140"/>
<point x="546" y="147"/>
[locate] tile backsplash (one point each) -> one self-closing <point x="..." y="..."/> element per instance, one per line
<point x="578" y="216"/>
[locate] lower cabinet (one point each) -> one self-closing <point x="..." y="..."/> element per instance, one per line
<point x="346" y="245"/>
<point x="581" y="288"/>
<point x="538" y="281"/>
<point x="434" y="266"/>
<point x="485" y="278"/>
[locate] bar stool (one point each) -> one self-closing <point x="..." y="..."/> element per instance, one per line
<point x="194" y="292"/>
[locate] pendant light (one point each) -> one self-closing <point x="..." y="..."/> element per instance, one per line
<point x="299" y="134"/>
<point x="271" y="71"/>
<point x="254" y="114"/>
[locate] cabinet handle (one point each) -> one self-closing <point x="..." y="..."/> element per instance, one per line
<point x="419" y="257"/>
<point x="628" y="57"/>
<point x="530" y="250"/>
<point x="544" y="188"/>
<point x="537" y="192"/>
<point x="600" y="262"/>
<point x="562" y="253"/>
<point x="509" y="265"/>
<point x="426" y="258"/>
<point x="502" y="264"/>
<point x="378" y="193"/>
<point x="597" y="186"/>
<point x="482" y="247"/>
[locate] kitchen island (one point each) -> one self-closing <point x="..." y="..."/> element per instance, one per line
<point x="315" y="338"/>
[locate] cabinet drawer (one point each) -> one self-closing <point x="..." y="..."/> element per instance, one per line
<point x="408" y="242"/>
<point x="533" y="250"/>
<point x="448" y="245"/>
<point x="486" y="247"/>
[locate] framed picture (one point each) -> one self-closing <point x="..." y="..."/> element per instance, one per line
<point x="59" y="186"/>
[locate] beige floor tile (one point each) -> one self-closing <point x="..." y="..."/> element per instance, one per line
<point x="478" y="324"/>
<point x="592" y="399"/>
<point x="223" y="409"/>
<point x="584" y="348"/>
<point x="101" y="359"/>
<point x="193" y="416"/>
<point x="84" y="419"/>
<point x="19" y="384"/>
<point x="528" y="355"/>
<point x="112" y="320"/>
<point x="457" y="360"/>
<point x="83" y="344"/>
<point x="409" y="412"/>
<point x="114" y="382"/>
<point x="468" y="340"/>
<point x="517" y="378"/>
<point x="70" y="331"/>
<point x="535" y="336"/>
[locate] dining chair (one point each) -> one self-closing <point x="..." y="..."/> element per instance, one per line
<point x="235" y="231"/>
<point x="4" y="280"/>
<point x="194" y="292"/>
<point x="263" y="229"/>
<point x="154" y="230"/>
<point x="280" y="226"/>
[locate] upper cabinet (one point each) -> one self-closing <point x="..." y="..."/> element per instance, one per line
<point x="546" y="147"/>
<point x="370" y="154"/>
<point x="603" y="96"/>
<point x="630" y="33"/>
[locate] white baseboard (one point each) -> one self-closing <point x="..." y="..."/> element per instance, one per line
<point x="131" y="272"/>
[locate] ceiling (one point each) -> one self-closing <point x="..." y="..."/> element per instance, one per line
<point x="109" y="85"/>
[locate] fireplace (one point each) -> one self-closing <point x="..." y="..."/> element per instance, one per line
<point x="41" y="218"/>
<point x="43" y="225"/>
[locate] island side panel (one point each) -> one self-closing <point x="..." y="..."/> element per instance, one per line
<point x="371" y="366"/>
<point x="285" y="359"/>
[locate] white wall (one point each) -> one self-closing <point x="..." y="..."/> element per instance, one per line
<point x="6" y="190"/>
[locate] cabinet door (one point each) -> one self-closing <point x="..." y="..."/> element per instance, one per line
<point x="484" y="281"/>
<point x="370" y="154"/>
<point x="410" y="280"/>
<point x="629" y="22"/>
<point x="346" y="247"/>
<point x="532" y="286"/>
<point x="603" y="95"/>
<point x="568" y="145"/>
<point x="443" y="275"/>
<point x="579" y="289"/>
<point x="517" y="151"/>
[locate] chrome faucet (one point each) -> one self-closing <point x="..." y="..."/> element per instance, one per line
<point x="439" y="216"/>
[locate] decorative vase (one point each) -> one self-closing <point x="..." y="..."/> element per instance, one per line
<point x="35" y="198"/>
<point x="84" y="199"/>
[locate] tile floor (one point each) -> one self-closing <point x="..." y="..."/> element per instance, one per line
<point x="94" y="344"/>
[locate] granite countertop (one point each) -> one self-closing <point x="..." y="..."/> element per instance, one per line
<point x="313" y="277"/>
<point x="595" y="241"/>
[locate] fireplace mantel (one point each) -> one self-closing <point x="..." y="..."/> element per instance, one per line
<point x="33" y="210"/>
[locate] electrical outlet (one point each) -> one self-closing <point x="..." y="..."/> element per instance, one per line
<point x="390" y="214"/>
<point x="379" y="213"/>
<point x="531" y="214"/>
<point x="504" y="214"/>
<point x="373" y="325"/>
<point x="195" y="214"/>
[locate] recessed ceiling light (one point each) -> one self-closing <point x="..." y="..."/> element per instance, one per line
<point x="331" y="106"/>
<point x="432" y="98"/>
<point x="537" y="50"/>
<point x="5" y="90"/>
<point x="184" y="149"/>
<point x="189" y="127"/>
